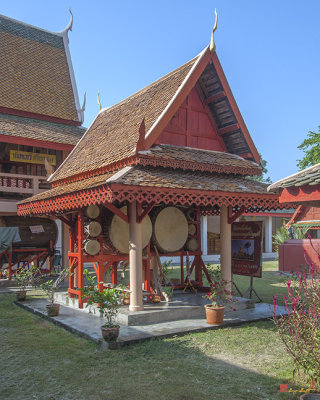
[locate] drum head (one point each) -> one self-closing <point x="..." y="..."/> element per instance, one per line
<point x="170" y="229"/>
<point x="119" y="232"/>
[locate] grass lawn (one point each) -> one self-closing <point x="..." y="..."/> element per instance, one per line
<point x="270" y="284"/>
<point x="42" y="361"/>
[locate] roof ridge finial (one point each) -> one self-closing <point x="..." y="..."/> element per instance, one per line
<point x="142" y="133"/>
<point x="212" y="47"/>
<point x="69" y="26"/>
<point x="82" y="109"/>
<point x="99" y="102"/>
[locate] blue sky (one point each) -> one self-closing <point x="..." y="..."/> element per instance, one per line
<point x="269" y="51"/>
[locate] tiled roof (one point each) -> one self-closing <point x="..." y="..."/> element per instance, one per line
<point x="162" y="177"/>
<point x="115" y="132"/>
<point x="158" y="177"/>
<point x="27" y="128"/>
<point x="192" y="158"/>
<point x="35" y="75"/>
<point x="309" y="176"/>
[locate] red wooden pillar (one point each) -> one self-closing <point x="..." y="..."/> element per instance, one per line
<point x="181" y="270"/>
<point x="80" y="256"/>
<point x="100" y="273"/>
<point x="146" y="269"/>
<point x="10" y="265"/>
<point x="197" y="261"/>
<point x="114" y="273"/>
<point x="71" y="250"/>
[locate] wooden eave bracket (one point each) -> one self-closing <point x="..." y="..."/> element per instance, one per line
<point x="142" y="213"/>
<point x="65" y="220"/>
<point x="117" y="212"/>
<point x="237" y="214"/>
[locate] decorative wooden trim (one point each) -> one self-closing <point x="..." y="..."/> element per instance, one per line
<point x="195" y="166"/>
<point x="117" y="212"/>
<point x="42" y="117"/>
<point x="117" y="192"/>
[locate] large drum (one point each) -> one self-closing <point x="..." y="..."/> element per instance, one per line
<point x="118" y="231"/>
<point x="170" y="230"/>
<point x="33" y="232"/>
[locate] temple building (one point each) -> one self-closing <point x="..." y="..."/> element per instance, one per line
<point x="150" y="167"/>
<point x="40" y="114"/>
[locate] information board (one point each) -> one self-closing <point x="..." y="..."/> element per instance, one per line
<point x="246" y="248"/>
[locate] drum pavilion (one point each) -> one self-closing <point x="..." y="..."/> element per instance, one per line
<point x="147" y="169"/>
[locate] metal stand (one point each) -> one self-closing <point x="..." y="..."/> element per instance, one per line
<point x="252" y="289"/>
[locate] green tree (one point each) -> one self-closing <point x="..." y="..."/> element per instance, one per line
<point x="311" y="148"/>
<point x="262" y="178"/>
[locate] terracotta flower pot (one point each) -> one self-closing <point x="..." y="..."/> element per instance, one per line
<point x="214" y="315"/>
<point x="21" y="295"/>
<point x="53" y="310"/>
<point x="110" y="335"/>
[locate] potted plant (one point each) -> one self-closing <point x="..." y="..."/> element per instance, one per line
<point x="50" y="287"/>
<point x="108" y="302"/>
<point x="25" y="277"/>
<point x="219" y="296"/>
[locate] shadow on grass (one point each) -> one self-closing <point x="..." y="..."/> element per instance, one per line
<point x="43" y="361"/>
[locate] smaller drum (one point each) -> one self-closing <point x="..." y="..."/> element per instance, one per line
<point x="192" y="229"/>
<point x="93" y="228"/>
<point x="192" y="244"/>
<point x="91" y="246"/>
<point x="92" y="211"/>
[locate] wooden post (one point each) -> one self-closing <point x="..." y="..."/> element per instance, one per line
<point x="135" y="259"/>
<point x="114" y="273"/>
<point x="225" y="235"/>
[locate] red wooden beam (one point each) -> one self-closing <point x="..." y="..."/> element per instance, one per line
<point x="237" y="214"/>
<point x="216" y="97"/>
<point x="246" y="156"/>
<point x="117" y="212"/>
<point x="300" y="194"/>
<point x="228" y="129"/>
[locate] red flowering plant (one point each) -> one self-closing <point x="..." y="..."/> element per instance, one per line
<point x="299" y="329"/>
<point x="220" y="295"/>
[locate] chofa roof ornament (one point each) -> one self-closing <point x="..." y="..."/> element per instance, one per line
<point x="69" y="26"/>
<point x="212" y="47"/>
<point x="98" y="100"/>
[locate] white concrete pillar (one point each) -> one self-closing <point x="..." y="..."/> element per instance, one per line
<point x="268" y="235"/>
<point x="204" y="235"/>
<point x="225" y="236"/>
<point x="135" y="260"/>
<point x="65" y="245"/>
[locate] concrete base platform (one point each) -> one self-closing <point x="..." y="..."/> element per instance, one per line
<point x="88" y="325"/>
<point x="182" y="306"/>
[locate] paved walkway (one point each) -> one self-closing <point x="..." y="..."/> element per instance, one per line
<point x="88" y="325"/>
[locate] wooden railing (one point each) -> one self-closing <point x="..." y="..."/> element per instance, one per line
<point x="22" y="184"/>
